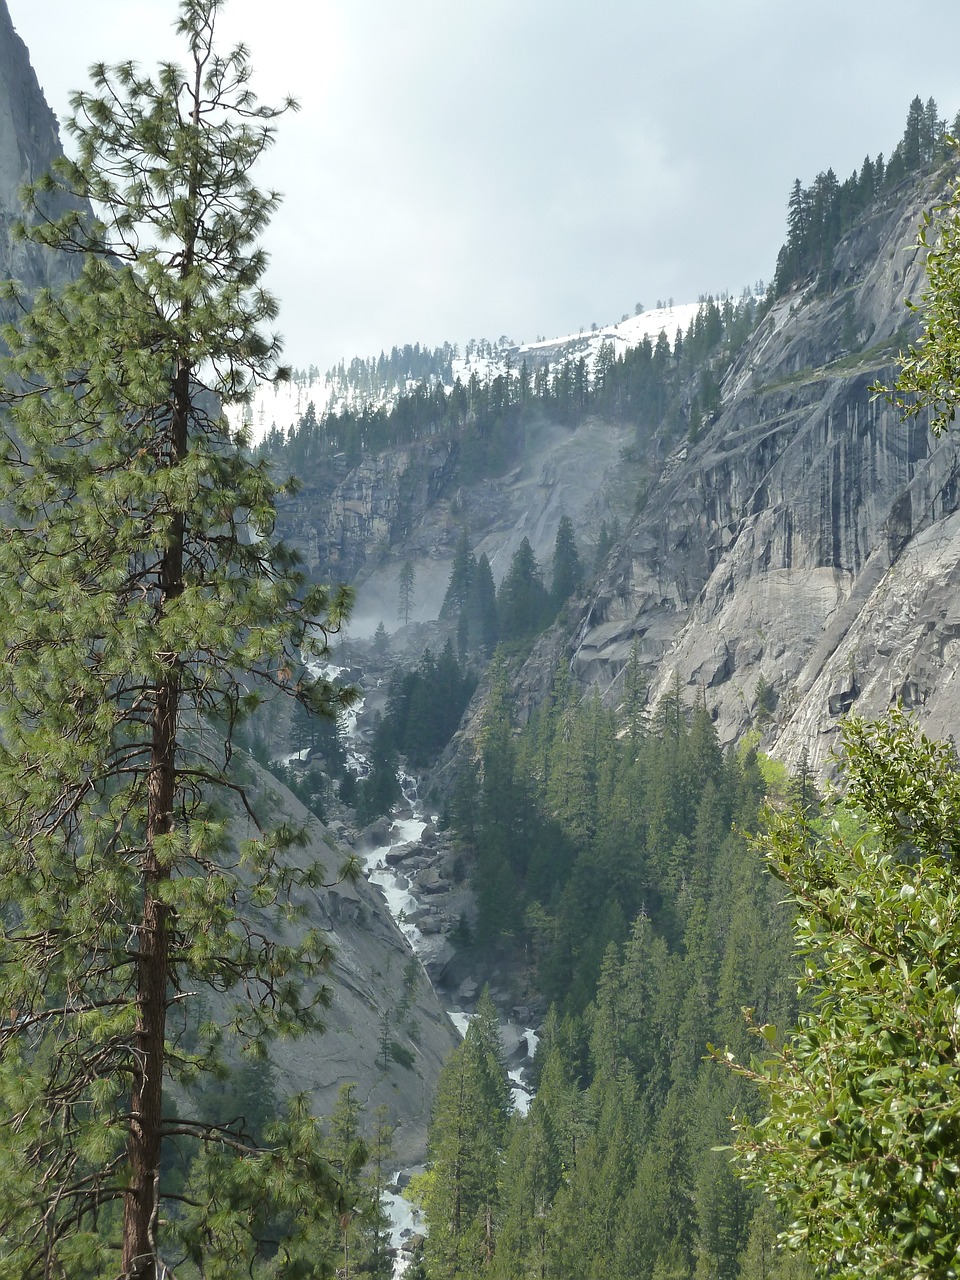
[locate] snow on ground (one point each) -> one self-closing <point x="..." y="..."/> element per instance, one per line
<point x="628" y="333"/>
<point x="282" y="405"/>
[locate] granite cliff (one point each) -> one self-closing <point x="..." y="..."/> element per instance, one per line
<point x="805" y="544"/>
<point x="358" y="523"/>
<point x="809" y="538"/>
<point x="29" y="144"/>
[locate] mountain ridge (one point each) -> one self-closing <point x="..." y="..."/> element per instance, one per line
<point x="279" y="406"/>
<point x="791" y="512"/>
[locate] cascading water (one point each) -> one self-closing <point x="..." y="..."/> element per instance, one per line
<point x="380" y="865"/>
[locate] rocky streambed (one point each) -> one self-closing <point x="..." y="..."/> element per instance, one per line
<point x="414" y="864"/>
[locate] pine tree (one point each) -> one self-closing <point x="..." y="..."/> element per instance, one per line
<point x="523" y="604"/>
<point x="571" y="786"/>
<point x="347" y="1153"/>
<point x="531" y="1176"/>
<point x="634" y="694"/>
<point x="567" y="569"/>
<point x="140" y="618"/>
<point x="405" y="590"/>
<point x="467" y="1135"/>
<point x="461" y="576"/>
<point x="481" y="609"/>
<point x="912" y="143"/>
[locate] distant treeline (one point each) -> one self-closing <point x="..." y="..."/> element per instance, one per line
<point x="489" y="416"/>
<point x="818" y="215"/>
<point x="384" y="375"/>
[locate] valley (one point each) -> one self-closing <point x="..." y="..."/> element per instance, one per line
<point x="449" y="798"/>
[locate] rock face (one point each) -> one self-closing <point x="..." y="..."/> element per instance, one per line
<point x="29" y="143"/>
<point x="807" y="541"/>
<point x="359" y="523"/>
<point x="810" y="538"/>
<point x="346" y="513"/>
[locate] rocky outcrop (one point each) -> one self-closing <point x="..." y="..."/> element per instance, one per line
<point x="29" y="144"/>
<point x="349" y="514"/>
<point x="379" y="994"/>
<point x="807" y="539"/>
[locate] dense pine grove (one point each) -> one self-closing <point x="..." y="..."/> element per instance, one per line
<point x="818" y="215"/>
<point x="613" y="852"/>
<point x="522" y="606"/>
<point x="489" y="417"/>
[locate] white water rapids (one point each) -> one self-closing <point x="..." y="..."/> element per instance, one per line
<point x="403" y="904"/>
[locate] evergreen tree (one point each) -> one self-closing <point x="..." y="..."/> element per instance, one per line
<point x="481" y="609"/>
<point x="461" y="577"/>
<point x="912" y="144"/>
<point x="571" y="785"/>
<point x="405" y="590"/>
<point x="346" y="1151"/>
<point x="523" y="604"/>
<point x="531" y="1178"/>
<point x="634" y="694"/>
<point x="866" y="1082"/>
<point x="927" y="384"/>
<point x="380" y="790"/>
<point x="377" y="1223"/>
<point x="139" y="611"/>
<point x="567" y="569"/>
<point x="467" y="1135"/>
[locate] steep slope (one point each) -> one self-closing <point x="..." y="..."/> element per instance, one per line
<point x="360" y="522"/>
<point x="376" y="986"/>
<point x="29" y="143"/>
<point x="809" y="538"/>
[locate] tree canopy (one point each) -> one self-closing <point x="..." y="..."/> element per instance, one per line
<point x="146" y="609"/>
<point x="859" y="1145"/>
<point x="928" y="382"/>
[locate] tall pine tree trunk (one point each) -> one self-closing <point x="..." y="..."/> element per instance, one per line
<point x="124" y="493"/>
<point x="144" y="1140"/>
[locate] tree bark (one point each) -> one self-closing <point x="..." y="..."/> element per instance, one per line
<point x="144" y="1139"/>
<point x="146" y="1103"/>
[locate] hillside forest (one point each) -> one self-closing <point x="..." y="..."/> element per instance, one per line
<point x="743" y="978"/>
<point x="617" y="856"/>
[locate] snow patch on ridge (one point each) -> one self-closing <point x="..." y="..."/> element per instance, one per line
<point x="282" y="405"/>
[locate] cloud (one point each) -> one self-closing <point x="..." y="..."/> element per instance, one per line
<point x="473" y="170"/>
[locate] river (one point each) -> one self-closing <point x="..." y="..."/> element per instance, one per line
<point x="408" y="822"/>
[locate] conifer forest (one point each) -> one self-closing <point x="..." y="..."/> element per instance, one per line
<point x="501" y="818"/>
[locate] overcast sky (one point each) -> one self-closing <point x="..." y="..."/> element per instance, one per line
<point x="528" y="167"/>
